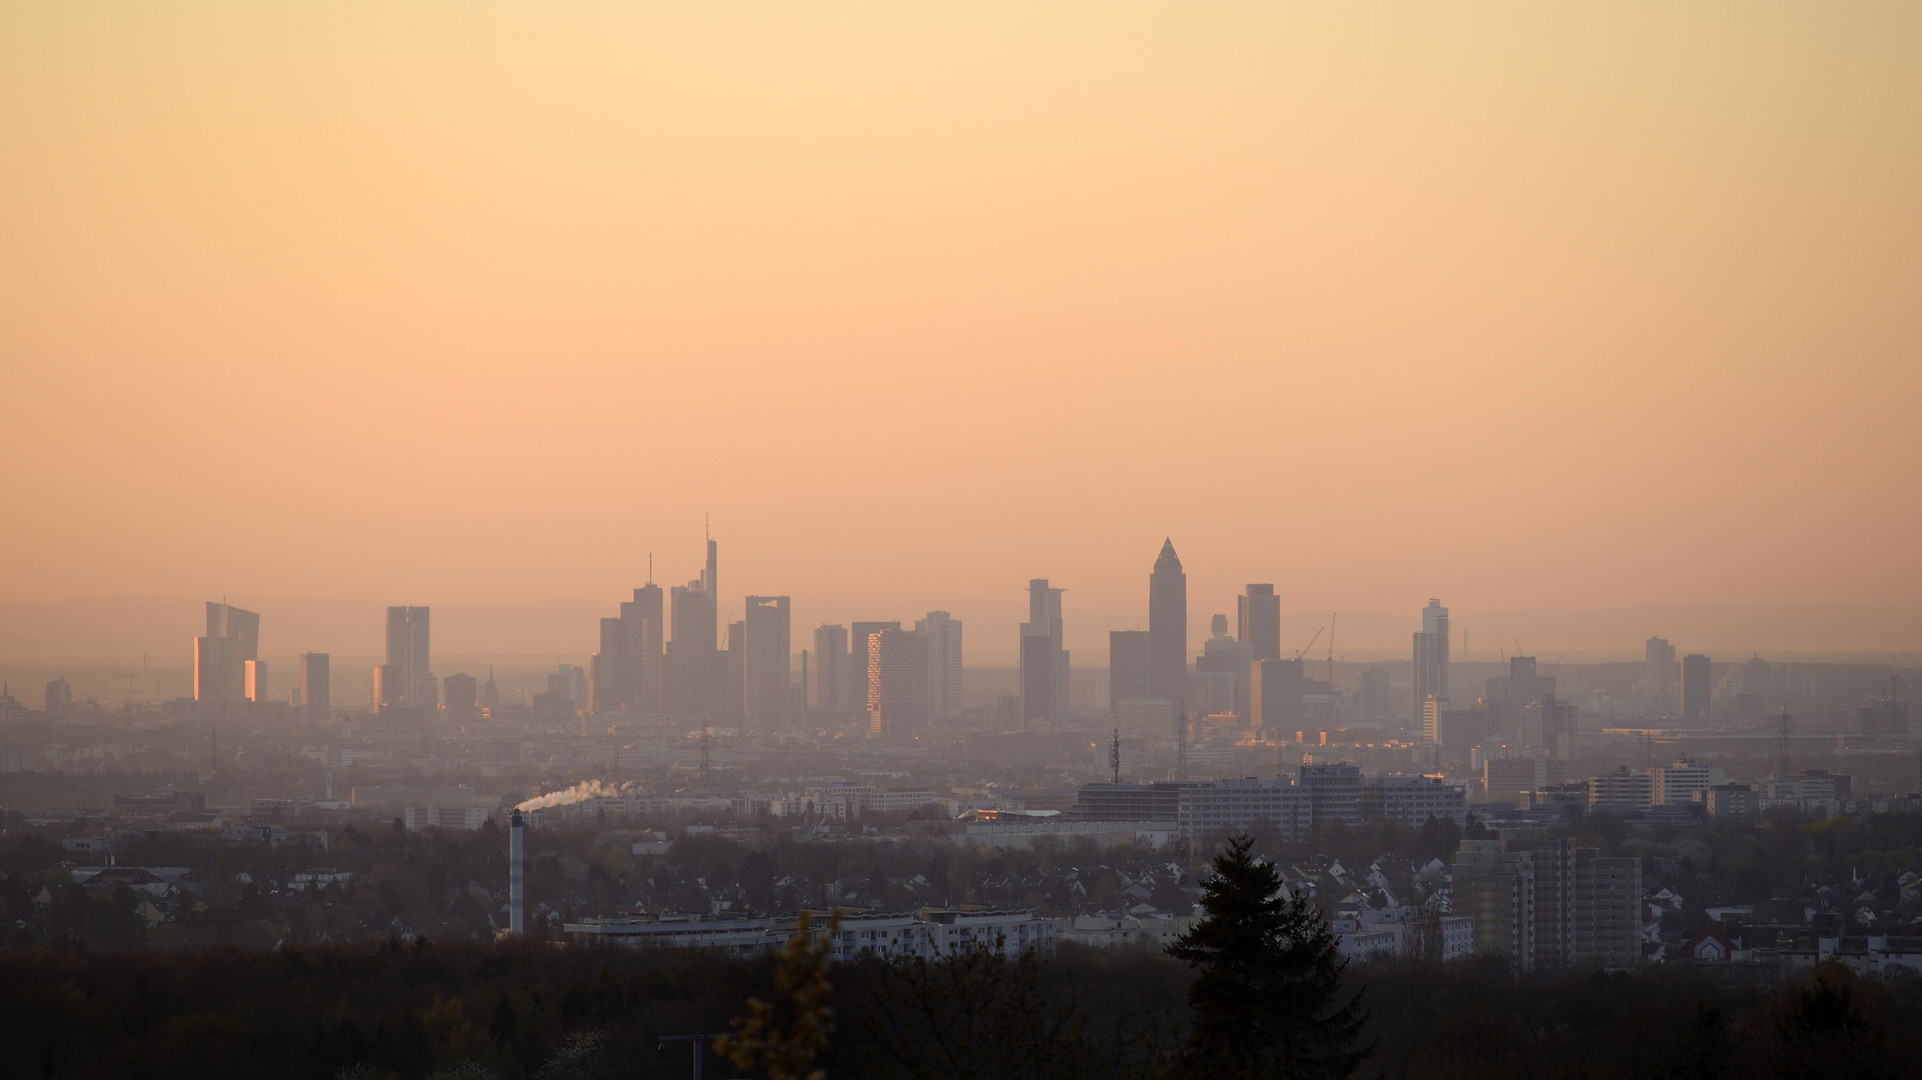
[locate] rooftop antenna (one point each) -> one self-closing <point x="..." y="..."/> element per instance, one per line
<point x="1114" y="756"/>
<point x="1181" y="747"/>
<point x="1782" y="768"/>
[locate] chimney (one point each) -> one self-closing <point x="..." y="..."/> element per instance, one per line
<point x="516" y="862"/>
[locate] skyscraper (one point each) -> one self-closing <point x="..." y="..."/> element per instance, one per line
<point x="1695" y="687"/>
<point x="316" y="684"/>
<point x="410" y="657"/>
<point x="627" y="670"/>
<point x="256" y="675"/>
<point x="1431" y="657"/>
<point x="894" y="660"/>
<point x="695" y="674"/>
<point x="1044" y="669"/>
<point x="942" y="680"/>
<point x="220" y="657"/>
<point x="1658" y="681"/>
<point x="832" y="677"/>
<point x="1130" y="668"/>
<point x="460" y="693"/>
<point x="59" y="696"/>
<point x="767" y="665"/>
<point x="1168" y="626"/>
<point x="857" y="685"/>
<point x="1220" y="684"/>
<point x="1258" y="622"/>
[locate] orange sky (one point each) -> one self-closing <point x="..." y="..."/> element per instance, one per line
<point x="1526" y="306"/>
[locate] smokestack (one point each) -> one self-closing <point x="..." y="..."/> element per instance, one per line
<point x="516" y="862"/>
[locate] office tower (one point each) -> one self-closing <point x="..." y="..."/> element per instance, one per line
<point x="942" y="681"/>
<point x="1275" y="691"/>
<point x="491" y="693"/>
<point x="1168" y="626"/>
<point x="232" y="639"/>
<point x="1044" y="621"/>
<point x="831" y="675"/>
<point x="1374" y="694"/>
<point x="1695" y="688"/>
<point x="410" y="657"/>
<point x="696" y="675"/>
<point x="568" y="684"/>
<point x="732" y="709"/>
<point x="1258" y="622"/>
<point x="460" y="695"/>
<point x="627" y="669"/>
<point x="59" y="696"/>
<point x="1547" y="727"/>
<point x="767" y="664"/>
<point x="1038" y="697"/>
<point x="894" y="659"/>
<point x="1130" y="668"/>
<point x="856" y="687"/>
<point x="1658" y="682"/>
<point x="1221" y="673"/>
<point x="316" y="683"/>
<point x="1431" y="655"/>
<point x="256" y="675"/>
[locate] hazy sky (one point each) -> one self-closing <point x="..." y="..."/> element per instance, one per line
<point x="1521" y="305"/>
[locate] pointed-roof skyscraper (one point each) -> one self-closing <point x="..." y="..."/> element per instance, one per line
<point x="1168" y="626"/>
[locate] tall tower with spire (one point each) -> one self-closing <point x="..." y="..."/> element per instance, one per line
<point x="1168" y="627"/>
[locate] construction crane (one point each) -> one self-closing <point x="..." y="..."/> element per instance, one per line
<point x="1311" y="642"/>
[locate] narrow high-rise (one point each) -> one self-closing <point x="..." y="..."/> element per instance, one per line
<point x="766" y="665"/>
<point x="1658" y="679"/>
<point x="942" y="680"/>
<point x="895" y="660"/>
<point x="1168" y="627"/>
<point x="1044" y="663"/>
<point x="1130" y="669"/>
<point x="1431" y="658"/>
<point x="409" y="659"/>
<point x="316" y="684"/>
<point x="695" y="675"/>
<point x="832" y="677"/>
<point x="1695" y="687"/>
<point x="1258" y="622"/>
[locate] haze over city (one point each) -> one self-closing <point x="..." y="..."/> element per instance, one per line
<point x="1018" y="540"/>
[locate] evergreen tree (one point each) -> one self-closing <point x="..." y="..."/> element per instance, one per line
<point x="1269" y="975"/>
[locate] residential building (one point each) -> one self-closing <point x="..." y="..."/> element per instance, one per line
<point x="1548" y="905"/>
<point x="767" y="665"/>
<point x="1623" y="789"/>
<point x="410" y="658"/>
<point x="1695" y="687"/>
<point x="941" y="682"/>
<point x="895" y="660"/>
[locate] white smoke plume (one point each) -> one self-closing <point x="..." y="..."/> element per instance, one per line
<point x="586" y="789"/>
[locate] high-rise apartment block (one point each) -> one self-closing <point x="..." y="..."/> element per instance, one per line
<point x="1168" y="626"/>
<point x="1431" y="656"/>
<point x="1548" y="905"/>
<point x="1658" y="676"/>
<point x="832" y="677"/>
<point x="59" y="696"/>
<point x="895" y="661"/>
<point x="410" y="658"/>
<point x="1130" y="674"/>
<point x="767" y="664"/>
<point x="316" y="684"/>
<point x="859" y="635"/>
<point x="941" y="636"/>
<point x="220" y="657"/>
<point x="1695" y="687"/>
